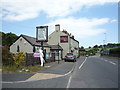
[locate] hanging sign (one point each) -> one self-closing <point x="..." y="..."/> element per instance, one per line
<point x="42" y="34"/>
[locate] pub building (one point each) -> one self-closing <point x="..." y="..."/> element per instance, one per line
<point x="59" y="43"/>
<point x="65" y="40"/>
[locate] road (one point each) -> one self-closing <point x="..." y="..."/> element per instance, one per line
<point x="87" y="72"/>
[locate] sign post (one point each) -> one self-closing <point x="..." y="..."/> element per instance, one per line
<point x="42" y="36"/>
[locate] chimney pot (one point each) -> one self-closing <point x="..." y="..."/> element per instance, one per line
<point x="57" y="27"/>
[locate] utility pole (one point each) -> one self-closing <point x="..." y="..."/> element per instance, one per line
<point x="105" y="38"/>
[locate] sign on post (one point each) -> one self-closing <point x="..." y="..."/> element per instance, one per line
<point x="42" y="34"/>
<point x="36" y="54"/>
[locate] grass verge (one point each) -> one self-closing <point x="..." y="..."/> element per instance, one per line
<point x="111" y="57"/>
<point x="14" y="69"/>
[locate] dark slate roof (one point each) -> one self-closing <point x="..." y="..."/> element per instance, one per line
<point x="33" y="42"/>
<point x="55" y="47"/>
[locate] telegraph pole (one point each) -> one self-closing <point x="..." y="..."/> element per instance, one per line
<point x="105" y="38"/>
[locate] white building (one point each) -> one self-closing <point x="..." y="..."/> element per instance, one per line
<point x="27" y="44"/>
<point x="65" y="40"/>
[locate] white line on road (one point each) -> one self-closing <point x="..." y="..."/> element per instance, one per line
<point x="112" y="63"/>
<point x="106" y="60"/>
<point x="68" y="85"/>
<point x="83" y="63"/>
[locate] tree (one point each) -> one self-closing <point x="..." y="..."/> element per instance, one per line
<point x="101" y="46"/>
<point x="89" y="47"/>
<point x="8" y="38"/>
<point x="96" y="46"/>
<point x="82" y="47"/>
<point x="7" y="58"/>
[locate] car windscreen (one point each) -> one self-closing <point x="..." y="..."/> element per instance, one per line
<point x="69" y="54"/>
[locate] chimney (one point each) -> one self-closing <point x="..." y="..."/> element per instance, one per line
<point x="57" y="27"/>
<point x="73" y="36"/>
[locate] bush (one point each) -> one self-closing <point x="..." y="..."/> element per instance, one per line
<point x="19" y="58"/>
<point x="115" y="51"/>
<point x="7" y="58"/>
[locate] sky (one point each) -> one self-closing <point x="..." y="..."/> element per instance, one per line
<point x="92" y="22"/>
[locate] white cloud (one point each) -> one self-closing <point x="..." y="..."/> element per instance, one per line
<point x="26" y="9"/>
<point x="80" y="27"/>
<point x="114" y="20"/>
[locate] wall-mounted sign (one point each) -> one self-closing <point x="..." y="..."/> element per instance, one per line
<point x="63" y="39"/>
<point x="42" y="34"/>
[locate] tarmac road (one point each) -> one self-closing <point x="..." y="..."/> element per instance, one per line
<point x="95" y="72"/>
<point x="90" y="72"/>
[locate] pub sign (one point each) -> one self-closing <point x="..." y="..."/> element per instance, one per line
<point x="42" y="34"/>
<point x="63" y="39"/>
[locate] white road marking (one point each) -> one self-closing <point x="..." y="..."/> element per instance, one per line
<point x="83" y="63"/>
<point x="112" y="63"/>
<point x="106" y="60"/>
<point x="68" y="85"/>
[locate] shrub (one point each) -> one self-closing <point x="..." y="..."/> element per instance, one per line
<point x="7" y="58"/>
<point x="115" y="50"/>
<point x="19" y="58"/>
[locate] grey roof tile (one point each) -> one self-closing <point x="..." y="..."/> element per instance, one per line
<point x="32" y="41"/>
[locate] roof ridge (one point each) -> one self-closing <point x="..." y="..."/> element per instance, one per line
<point x="27" y="36"/>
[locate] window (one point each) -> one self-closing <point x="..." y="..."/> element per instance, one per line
<point x="18" y="48"/>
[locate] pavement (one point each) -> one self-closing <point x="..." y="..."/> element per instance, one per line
<point x="52" y="70"/>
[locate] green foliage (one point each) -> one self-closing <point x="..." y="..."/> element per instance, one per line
<point x="9" y="69"/>
<point x="7" y="58"/>
<point x="8" y="38"/>
<point x="19" y="58"/>
<point x="111" y="45"/>
<point x="96" y="46"/>
<point x="115" y="50"/>
<point x="92" y="51"/>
